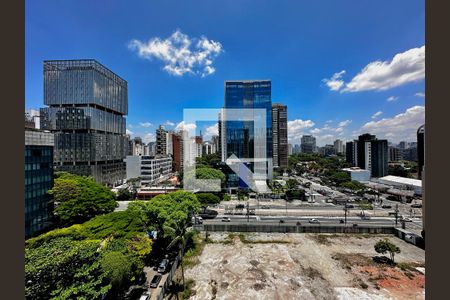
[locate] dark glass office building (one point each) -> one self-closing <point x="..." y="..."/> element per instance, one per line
<point x="38" y="180"/>
<point x="280" y="136"/>
<point x="87" y="104"/>
<point x="239" y="135"/>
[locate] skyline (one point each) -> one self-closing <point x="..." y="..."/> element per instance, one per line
<point x="340" y="71"/>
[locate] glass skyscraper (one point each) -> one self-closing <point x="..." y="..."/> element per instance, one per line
<point x="239" y="135"/>
<point x="87" y="104"/>
<point x="38" y="180"/>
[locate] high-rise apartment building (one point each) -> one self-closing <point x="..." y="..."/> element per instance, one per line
<point x="161" y="141"/>
<point x="308" y="144"/>
<point x="178" y="147"/>
<point x="38" y="180"/>
<point x="395" y="154"/>
<point x="338" y="146"/>
<point x="369" y="153"/>
<point x="290" y="149"/>
<point x="279" y="136"/>
<point x="239" y="136"/>
<point x="149" y="169"/>
<point x="86" y="103"/>
<point x="420" y="150"/>
<point x="296" y="149"/>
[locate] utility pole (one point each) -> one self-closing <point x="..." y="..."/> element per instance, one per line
<point x="248" y="214"/>
<point x="396" y="214"/>
<point x="345" y="212"/>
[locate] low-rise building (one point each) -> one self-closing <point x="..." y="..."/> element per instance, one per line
<point x="358" y="174"/>
<point x="402" y="183"/>
<point x="150" y="169"/>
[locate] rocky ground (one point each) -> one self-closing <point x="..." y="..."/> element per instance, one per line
<point x="304" y="266"/>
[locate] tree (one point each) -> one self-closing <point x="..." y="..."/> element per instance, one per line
<point x="125" y="194"/>
<point x="384" y="246"/>
<point x="203" y="173"/>
<point x="207" y="198"/>
<point x="80" y="198"/>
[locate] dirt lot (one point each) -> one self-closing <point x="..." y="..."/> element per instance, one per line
<point x="304" y="266"/>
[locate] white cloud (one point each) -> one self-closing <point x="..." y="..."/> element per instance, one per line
<point x="211" y="130"/>
<point x="130" y="126"/>
<point x="421" y="95"/>
<point x="185" y="126"/>
<point x="377" y="114"/>
<point x="129" y="132"/>
<point x="405" y="67"/>
<point x="400" y="127"/>
<point x="392" y="98"/>
<point x="145" y="124"/>
<point x="180" y="54"/>
<point x="335" y="82"/>
<point x="169" y="123"/>
<point x="296" y="128"/>
<point x="344" y="123"/>
<point x="149" y="137"/>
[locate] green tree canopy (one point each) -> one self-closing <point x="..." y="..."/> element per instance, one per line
<point x="207" y="198"/>
<point x="80" y="198"/>
<point x="386" y="246"/>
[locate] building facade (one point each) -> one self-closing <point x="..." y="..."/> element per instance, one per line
<point x="420" y="150"/>
<point x="161" y="141"/>
<point x="38" y="180"/>
<point x="150" y="169"/>
<point x="280" y="136"/>
<point x="369" y="153"/>
<point x="338" y="146"/>
<point x="239" y="136"/>
<point x="308" y="144"/>
<point x="86" y="107"/>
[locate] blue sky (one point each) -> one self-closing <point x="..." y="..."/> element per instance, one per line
<point x="299" y="45"/>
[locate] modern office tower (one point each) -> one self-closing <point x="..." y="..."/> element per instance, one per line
<point x="152" y="147"/>
<point x="369" y="153"/>
<point x="150" y="169"/>
<point x="137" y="146"/>
<point x="296" y="149"/>
<point x="177" y="142"/>
<point x="279" y="136"/>
<point x="38" y="180"/>
<point x="308" y="144"/>
<point x="420" y="150"/>
<point x="338" y="147"/>
<point x="395" y="154"/>
<point x="240" y="135"/>
<point x="198" y="146"/>
<point x="222" y="138"/>
<point x="161" y="141"/>
<point x="129" y="145"/>
<point x="87" y="104"/>
<point x="290" y="149"/>
<point x="410" y="154"/>
<point x="146" y="150"/>
<point x="215" y="142"/>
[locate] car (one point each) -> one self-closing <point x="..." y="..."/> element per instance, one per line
<point x="240" y="206"/>
<point x="155" y="281"/>
<point x="314" y="221"/>
<point x="197" y="220"/>
<point x="349" y="206"/>
<point x="417" y="205"/>
<point x="281" y="221"/>
<point x="386" y="206"/>
<point x="406" y="220"/>
<point x="145" y="296"/>
<point x="226" y="219"/>
<point x="410" y="238"/>
<point x="364" y="217"/>
<point x="162" y="267"/>
<point x="341" y="221"/>
<point x="265" y="206"/>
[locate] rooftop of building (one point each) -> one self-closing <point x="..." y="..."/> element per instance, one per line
<point x="402" y="180"/>
<point x="355" y="169"/>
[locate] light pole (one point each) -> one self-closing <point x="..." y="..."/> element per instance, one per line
<point x="396" y="214"/>
<point x="345" y="212"/>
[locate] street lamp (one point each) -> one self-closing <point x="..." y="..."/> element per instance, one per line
<point x="345" y="212"/>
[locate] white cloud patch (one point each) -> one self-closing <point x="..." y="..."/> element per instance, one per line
<point x="145" y="124"/>
<point x="405" y="67"/>
<point x="169" y="123"/>
<point x="392" y="98"/>
<point x="420" y="95"/>
<point x="335" y="82"/>
<point x="344" y="123"/>
<point x="185" y="126"/>
<point x="129" y="132"/>
<point x="180" y="53"/>
<point x="149" y="137"/>
<point x="402" y="127"/>
<point x="211" y="131"/>
<point x="296" y="128"/>
<point x="377" y="114"/>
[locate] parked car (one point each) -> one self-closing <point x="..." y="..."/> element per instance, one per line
<point x="155" y="281"/>
<point x="197" y="220"/>
<point x="341" y="221"/>
<point x="163" y="265"/>
<point x="314" y="221"/>
<point x="281" y="221"/>
<point x="365" y="217"/>
<point x="386" y="206"/>
<point x="265" y="206"/>
<point x="410" y="238"/>
<point x="406" y="220"/>
<point x="417" y="205"/>
<point x="240" y="206"/>
<point x="146" y="295"/>
<point x="349" y="205"/>
<point x="226" y="219"/>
